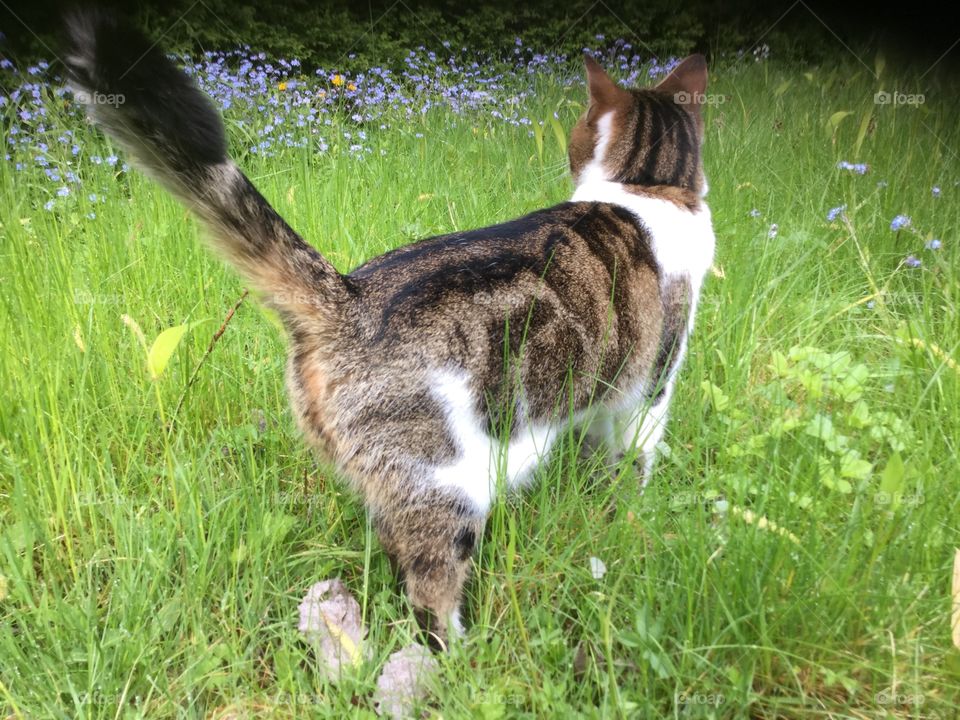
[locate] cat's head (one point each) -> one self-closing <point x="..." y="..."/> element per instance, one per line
<point x="648" y="136"/>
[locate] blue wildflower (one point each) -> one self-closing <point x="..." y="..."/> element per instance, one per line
<point x="936" y="191"/>
<point x="858" y="168"/>
<point x="900" y="222"/>
<point x="754" y="213"/>
<point x="48" y="205"/>
<point x="836" y="212"/>
<point x="63" y="191"/>
<point x="933" y="244"/>
<point x="913" y="262"/>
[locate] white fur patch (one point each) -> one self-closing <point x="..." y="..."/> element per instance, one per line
<point x="594" y="170"/>
<point x="481" y="458"/>
<point x="646" y="429"/>
<point x="682" y="241"/>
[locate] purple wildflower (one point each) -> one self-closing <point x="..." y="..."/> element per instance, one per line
<point x="912" y="261"/>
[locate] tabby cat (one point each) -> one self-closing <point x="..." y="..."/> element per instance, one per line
<point x="442" y="370"/>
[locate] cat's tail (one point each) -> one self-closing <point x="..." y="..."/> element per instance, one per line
<point x="173" y="132"/>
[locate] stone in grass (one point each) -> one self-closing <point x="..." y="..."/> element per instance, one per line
<point x="404" y="680"/>
<point x="330" y="621"/>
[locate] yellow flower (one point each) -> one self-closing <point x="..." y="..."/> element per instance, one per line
<point x="351" y="87"/>
<point x="337" y="80"/>
<point x="282" y="86"/>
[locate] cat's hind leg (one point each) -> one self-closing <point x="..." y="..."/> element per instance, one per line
<point x="430" y="537"/>
<point x="643" y="428"/>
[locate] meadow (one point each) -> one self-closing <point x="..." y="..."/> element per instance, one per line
<point x="160" y="518"/>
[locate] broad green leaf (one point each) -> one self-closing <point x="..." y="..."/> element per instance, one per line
<point x="715" y="396"/>
<point x="834" y="122"/>
<point x="19" y="535"/>
<point x="559" y="133"/>
<point x="826" y="473"/>
<point x="851" y="386"/>
<point x="779" y="364"/>
<point x="813" y="383"/>
<point x="820" y="427"/>
<point x="163" y="347"/>
<point x="276" y="526"/>
<point x="891" y="481"/>
<point x="838" y="443"/>
<point x="859" y="415"/>
<point x="659" y="663"/>
<point x="854" y="467"/>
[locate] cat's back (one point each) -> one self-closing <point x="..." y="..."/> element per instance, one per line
<point x="571" y="252"/>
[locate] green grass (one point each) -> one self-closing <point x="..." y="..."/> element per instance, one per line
<point x="157" y="573"/>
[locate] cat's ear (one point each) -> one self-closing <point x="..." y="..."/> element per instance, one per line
<point x="605" y="94"/>
<point x="687" y="83"/>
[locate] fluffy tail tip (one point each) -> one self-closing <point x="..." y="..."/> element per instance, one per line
<point x="138" y="95"/>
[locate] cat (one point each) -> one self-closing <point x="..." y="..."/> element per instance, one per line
<point x="436" y="370"/>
